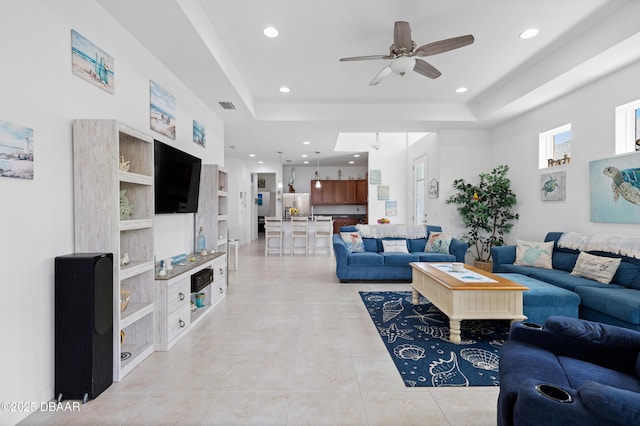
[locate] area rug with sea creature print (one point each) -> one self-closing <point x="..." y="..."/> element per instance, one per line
<point x="417" y="338"/>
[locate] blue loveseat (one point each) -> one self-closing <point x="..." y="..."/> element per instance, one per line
<point x="616" y="303"/>
<point x="569" y="372"/>
<point x="375" y="265"/>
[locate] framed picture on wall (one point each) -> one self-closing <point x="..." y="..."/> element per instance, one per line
<point x="375" y="177"/>
<point x="614" y="189"/>
<point x="16" y="151"/>
<point x="433" y="188"/>
<point x="261" y="183"/>
<point x="553" y="186"/>
<point x="199" y="134"/>
<point x="91" y="63"/>
<point x="383" y="192"/>
<point x="391" y="208"/>
<point x="162" y="110"/>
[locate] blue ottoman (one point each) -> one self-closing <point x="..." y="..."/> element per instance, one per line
<point x="543" y="300"/>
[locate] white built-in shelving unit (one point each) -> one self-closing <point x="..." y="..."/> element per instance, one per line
<point x="98" y="146"/>
<point x="212" y="213"/>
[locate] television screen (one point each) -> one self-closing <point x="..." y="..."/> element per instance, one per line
<point x="177" y="180"/>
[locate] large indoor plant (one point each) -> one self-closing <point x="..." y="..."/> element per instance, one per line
<point x="486" y="211"/>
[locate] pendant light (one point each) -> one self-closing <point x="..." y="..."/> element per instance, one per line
<point x="280" y="181"/>
<point x="318" y="184"/>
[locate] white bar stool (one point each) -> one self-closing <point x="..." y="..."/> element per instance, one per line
<point x="272" y="231"/>
<point x="235" y="244"/>
<point x="324" y="231"/>
<point x="299" y="230"/>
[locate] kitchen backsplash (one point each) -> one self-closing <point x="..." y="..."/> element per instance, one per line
<point x="334" y="210"/>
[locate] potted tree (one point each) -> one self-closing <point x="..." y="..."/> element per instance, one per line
<point x="486" y="212"/>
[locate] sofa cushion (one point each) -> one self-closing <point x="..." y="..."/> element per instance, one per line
<point x="611" y="402"/>
<point x="564" y="260"/>
<point x="353" y="241"/>
<point x="365" y="259"/>
<point x="380" y="247"/>
<point x="628" y="275"/>
<point x="599" y="268"/>
<point x="435" y="257"/>
<point x="394" y="246"/>
<point x="417" y="244"/>
<point x="579" y="372"/>
<point x="534" y="254"/>
<point x="618" y="302"/>
<point x="566" y="280"/>
<point x="399" y="259"/>
<point x="438" y="242"/>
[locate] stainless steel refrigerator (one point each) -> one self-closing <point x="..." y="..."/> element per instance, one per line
<point x="297" y="200"/>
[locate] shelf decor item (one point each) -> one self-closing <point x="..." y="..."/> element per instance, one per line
<point x="200" y="300"/>
<point x="486" y="211"/>
<point x="125" y="297"/>
<point x="125" y="206"/>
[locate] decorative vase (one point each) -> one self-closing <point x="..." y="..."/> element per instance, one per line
<point x="200" y="300"/>
<point x="125" y="207"/>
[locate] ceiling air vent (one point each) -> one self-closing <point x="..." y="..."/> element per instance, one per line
<point x="227" y="105"/>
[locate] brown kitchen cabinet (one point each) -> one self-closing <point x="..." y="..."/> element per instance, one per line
<point x="339" y="192"/>
<point x="341" y="221"/>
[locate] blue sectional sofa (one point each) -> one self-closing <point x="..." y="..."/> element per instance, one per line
<point x="616" y="303"/>
<point x="375" y="265"/>
<point x="569" y="372"/>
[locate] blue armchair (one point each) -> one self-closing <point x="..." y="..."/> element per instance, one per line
<point x="569" y="372"/>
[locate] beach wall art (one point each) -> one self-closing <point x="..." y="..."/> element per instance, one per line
<point x="615" y="189"/>
<point x="553" y="186"/>
<point x="199" y="134"/>
<point x="16" y="151"/>
<point x="91" y="63"/>
<point x="163" y="110"/>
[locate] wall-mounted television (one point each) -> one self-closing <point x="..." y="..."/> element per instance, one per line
<point x="177" y="180"/>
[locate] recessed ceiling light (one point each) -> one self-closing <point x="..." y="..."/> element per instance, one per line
<point x="285" y="89"/>
<point x="252" y="155"/>
<point x="531" y="32"/>
<point x="356" y="155"/>
<point x="306" y="161"/>
<point x="304" y="155"/>
<point x="270" y="32"/>
<point x="260" y="162"/>
<point x="306" y="142"/>
<point x="461" y="89"/>
<point x="351" y="162"/>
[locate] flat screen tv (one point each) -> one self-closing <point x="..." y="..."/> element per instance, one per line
<point x="177" y="180"/>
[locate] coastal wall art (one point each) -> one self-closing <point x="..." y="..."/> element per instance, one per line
<point x="16" y="151"/>
<point x="91" y="63"/>
<point x="391" y="208"/>
<point x="553" y="186"/>
<point x="163" y="110"/>
<point x="199" y="134"/>
<point x="615" y="189"/>
<point x="383" y="192"/>
<point x="375" y="177"/>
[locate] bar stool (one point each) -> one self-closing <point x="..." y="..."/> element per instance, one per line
<point x="299" y="230"/>
<point x="324" y="231"/>
<point x="272" y="230"/>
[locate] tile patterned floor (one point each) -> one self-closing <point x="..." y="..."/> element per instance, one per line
<point x="289" y="345"/>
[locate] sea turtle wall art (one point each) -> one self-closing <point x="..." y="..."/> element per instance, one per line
<point x="553" y="186"/>
<point x="615" y="189"/>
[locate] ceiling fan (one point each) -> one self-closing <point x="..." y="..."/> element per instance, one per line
<point x="404" y="53"/>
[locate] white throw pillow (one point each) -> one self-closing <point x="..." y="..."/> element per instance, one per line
<point x="353" y="241"/>
<point x="394" y="246"/>
<point x="438" y="242"/>
<point x="599" y="268"/>
<point x="534" y="254"/>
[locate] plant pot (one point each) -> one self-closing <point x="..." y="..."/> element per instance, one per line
<point x="485" y="265"/>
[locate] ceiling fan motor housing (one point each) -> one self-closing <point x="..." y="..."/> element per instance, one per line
<point x="403" y="64"/>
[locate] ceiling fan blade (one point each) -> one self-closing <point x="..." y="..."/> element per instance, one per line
<point x="384" y="72"/>
<point x="442" y="46"/>
<point x="426" y="69"/>
<point x="402" y="36"/>
<point x="365" y="58"/>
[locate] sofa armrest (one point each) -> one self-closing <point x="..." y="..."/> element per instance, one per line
<point x="340" y="252"/>
<point x="533" y="408"/>
<point x="611" y="404"/>
<point x="502" y="255"/>
<point x="459" y="249"/>
<point x="606" y="345"/>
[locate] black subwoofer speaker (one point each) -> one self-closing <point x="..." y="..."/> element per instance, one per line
<point x="83" y="325"/>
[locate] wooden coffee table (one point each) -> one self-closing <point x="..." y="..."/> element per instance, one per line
<point x="460" y="300"/>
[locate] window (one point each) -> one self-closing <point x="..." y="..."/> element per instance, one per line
<point x="628" y="127"/>
<point x="555" y="147"/>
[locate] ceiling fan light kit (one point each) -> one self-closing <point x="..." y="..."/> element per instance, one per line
<point x="404" y="52"/>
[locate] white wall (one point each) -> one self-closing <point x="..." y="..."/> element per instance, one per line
<point x="590" y="111"/>
<point x="39" y="91"/>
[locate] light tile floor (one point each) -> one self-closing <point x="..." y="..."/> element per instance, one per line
<point x="290" y="345"/>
